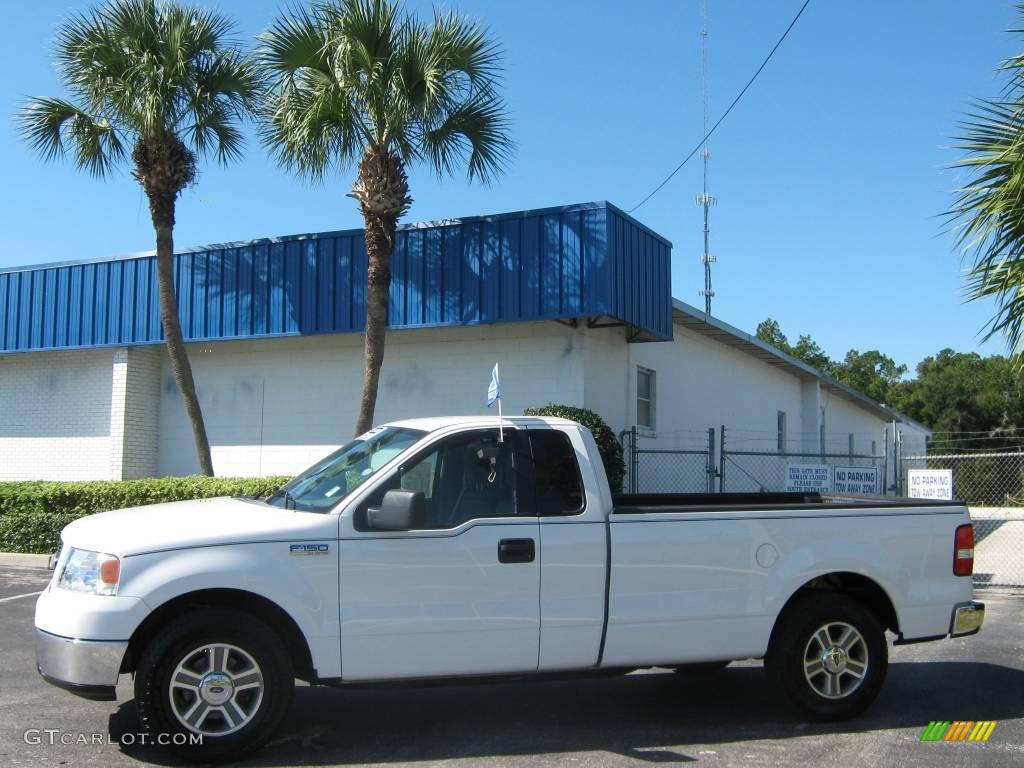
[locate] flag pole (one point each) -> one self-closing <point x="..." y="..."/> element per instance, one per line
<point x="501" y="428"/>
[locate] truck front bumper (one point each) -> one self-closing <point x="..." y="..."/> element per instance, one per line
<point x="967" y="619"/>
<point x="87" y="668"/>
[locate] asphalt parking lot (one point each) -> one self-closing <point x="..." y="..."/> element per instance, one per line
<point x="732" y="719"/>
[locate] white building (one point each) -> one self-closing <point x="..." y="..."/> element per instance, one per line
<point x="573" y="302"/>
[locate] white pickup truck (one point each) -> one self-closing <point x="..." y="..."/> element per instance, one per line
<point x="439" y="548"/>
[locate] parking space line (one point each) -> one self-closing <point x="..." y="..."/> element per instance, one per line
<point x="18" y="597"/>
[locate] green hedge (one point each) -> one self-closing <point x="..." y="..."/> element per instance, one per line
<point x="32" y="514"/>
<point x="607" y="444"/>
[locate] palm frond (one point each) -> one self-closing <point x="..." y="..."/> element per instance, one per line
<point x="367" y="31"/>
<point x="465" y="47"/>
<point x="988" y="212"/>
<point x="474" y="133"/>
<point x="55" y="128"/>
<point x="295" y="41"/>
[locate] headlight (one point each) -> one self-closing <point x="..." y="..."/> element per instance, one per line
<point x="93" y="572"/>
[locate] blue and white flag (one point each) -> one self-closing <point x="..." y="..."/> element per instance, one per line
<point x="493" y="390"/>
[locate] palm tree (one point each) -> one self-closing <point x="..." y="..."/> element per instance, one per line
<point x="359" y="82"/>
<point x="160" y="83"/>
<point x="988" y="211"/>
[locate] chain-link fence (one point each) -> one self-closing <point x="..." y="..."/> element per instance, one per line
<point x="690" y="461"/>
<point x="992" y="486"/>
<point x="761" y="471"/>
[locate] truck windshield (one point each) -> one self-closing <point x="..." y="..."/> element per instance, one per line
<point x="332" y="478"/>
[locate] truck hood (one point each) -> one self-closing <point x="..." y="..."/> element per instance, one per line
<point x="194" y="523"/>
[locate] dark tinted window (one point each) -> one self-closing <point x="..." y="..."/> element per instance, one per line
<point x="466" y="477"/>
<point x="559" y="489"/>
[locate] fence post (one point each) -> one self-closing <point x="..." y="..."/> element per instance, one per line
<point x="634" y="461"/>
<point x="885" y="462"/>
<point x="897" y="448"/>
<point x="721" y="462"/>
<point x="711" y="460"/>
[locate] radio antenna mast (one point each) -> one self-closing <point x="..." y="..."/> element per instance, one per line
<point x="705" y="199"/>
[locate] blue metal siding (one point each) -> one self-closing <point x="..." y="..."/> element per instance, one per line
<point x="589" y="260"/>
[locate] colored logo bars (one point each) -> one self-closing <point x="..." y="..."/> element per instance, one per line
<point x="958" y="730"/>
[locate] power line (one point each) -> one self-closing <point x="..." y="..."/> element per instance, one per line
<point x="725" y="114"/>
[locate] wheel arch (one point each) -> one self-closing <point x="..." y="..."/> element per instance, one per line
<point x="270" y="613"/>
<point x="863" y="589"/>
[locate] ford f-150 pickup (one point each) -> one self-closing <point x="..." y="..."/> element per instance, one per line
<point x="447" y="548"/>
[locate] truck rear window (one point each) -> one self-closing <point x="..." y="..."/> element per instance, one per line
<point x="559" y="488"/>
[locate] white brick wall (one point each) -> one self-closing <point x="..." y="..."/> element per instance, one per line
<point x="55" y="415"/>
<point x="277" y="405"/>
<point x="274" y="406"/>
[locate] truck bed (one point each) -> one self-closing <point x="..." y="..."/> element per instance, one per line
<point x="640" y="503"/>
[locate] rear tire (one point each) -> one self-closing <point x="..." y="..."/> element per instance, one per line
<point x="219" y="674"/>
<point x="829" y="653"/>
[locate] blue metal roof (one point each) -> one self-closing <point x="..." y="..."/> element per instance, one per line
<point x="580" y="261"/>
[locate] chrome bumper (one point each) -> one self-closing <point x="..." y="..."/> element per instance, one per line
<point x="967" y="619"/>
<point x="88" y="668"/>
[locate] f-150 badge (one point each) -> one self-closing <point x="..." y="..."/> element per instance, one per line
<point x="309" y="549"/>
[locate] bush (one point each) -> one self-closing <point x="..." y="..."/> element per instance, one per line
<point x="607" y="444"/>
<point x="32" y="514"/>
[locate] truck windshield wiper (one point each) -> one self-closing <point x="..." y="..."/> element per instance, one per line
<point x="281" y="492"/>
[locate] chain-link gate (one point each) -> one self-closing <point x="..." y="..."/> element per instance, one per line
<point x="992" y="486"/>
<point x="669" y="470"/>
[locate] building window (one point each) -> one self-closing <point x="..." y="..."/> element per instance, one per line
<point x="645" y="398"/>
<point x="782" y="431"/>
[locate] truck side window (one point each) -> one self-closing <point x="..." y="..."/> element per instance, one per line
<point x="466" y="477"/>
<point x="559" y="488"/>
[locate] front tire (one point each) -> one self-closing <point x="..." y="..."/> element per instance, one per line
<point x="829" y="654"/>
<point x="220" y="675"/>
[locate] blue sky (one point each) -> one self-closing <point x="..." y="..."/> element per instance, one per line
<point x="830" y="174"/>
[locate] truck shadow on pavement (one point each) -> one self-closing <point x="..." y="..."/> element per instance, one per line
<point x="647" y="717"/>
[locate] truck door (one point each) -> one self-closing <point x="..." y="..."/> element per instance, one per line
<point x="457" y="595"/>
<point x="574" y="554"/>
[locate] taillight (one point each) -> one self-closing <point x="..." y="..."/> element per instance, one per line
<point x="963" y="551"/>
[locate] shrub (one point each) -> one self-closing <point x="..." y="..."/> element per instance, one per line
<point x="607" y="444"/>
<point x="32" y="514"/>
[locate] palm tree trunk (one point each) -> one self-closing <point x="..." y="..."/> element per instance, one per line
<point x="380" y="238"/>
<point x="180" y="367"/>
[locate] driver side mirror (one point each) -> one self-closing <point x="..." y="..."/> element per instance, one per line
<point x="400" y="510"/>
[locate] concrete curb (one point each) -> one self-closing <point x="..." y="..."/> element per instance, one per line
<point x="20" y="559"/>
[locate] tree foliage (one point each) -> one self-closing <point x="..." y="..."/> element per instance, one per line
<point x="872" y="373"/>
<point x="975" y="402"/>
<point x="971" y="402"/>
